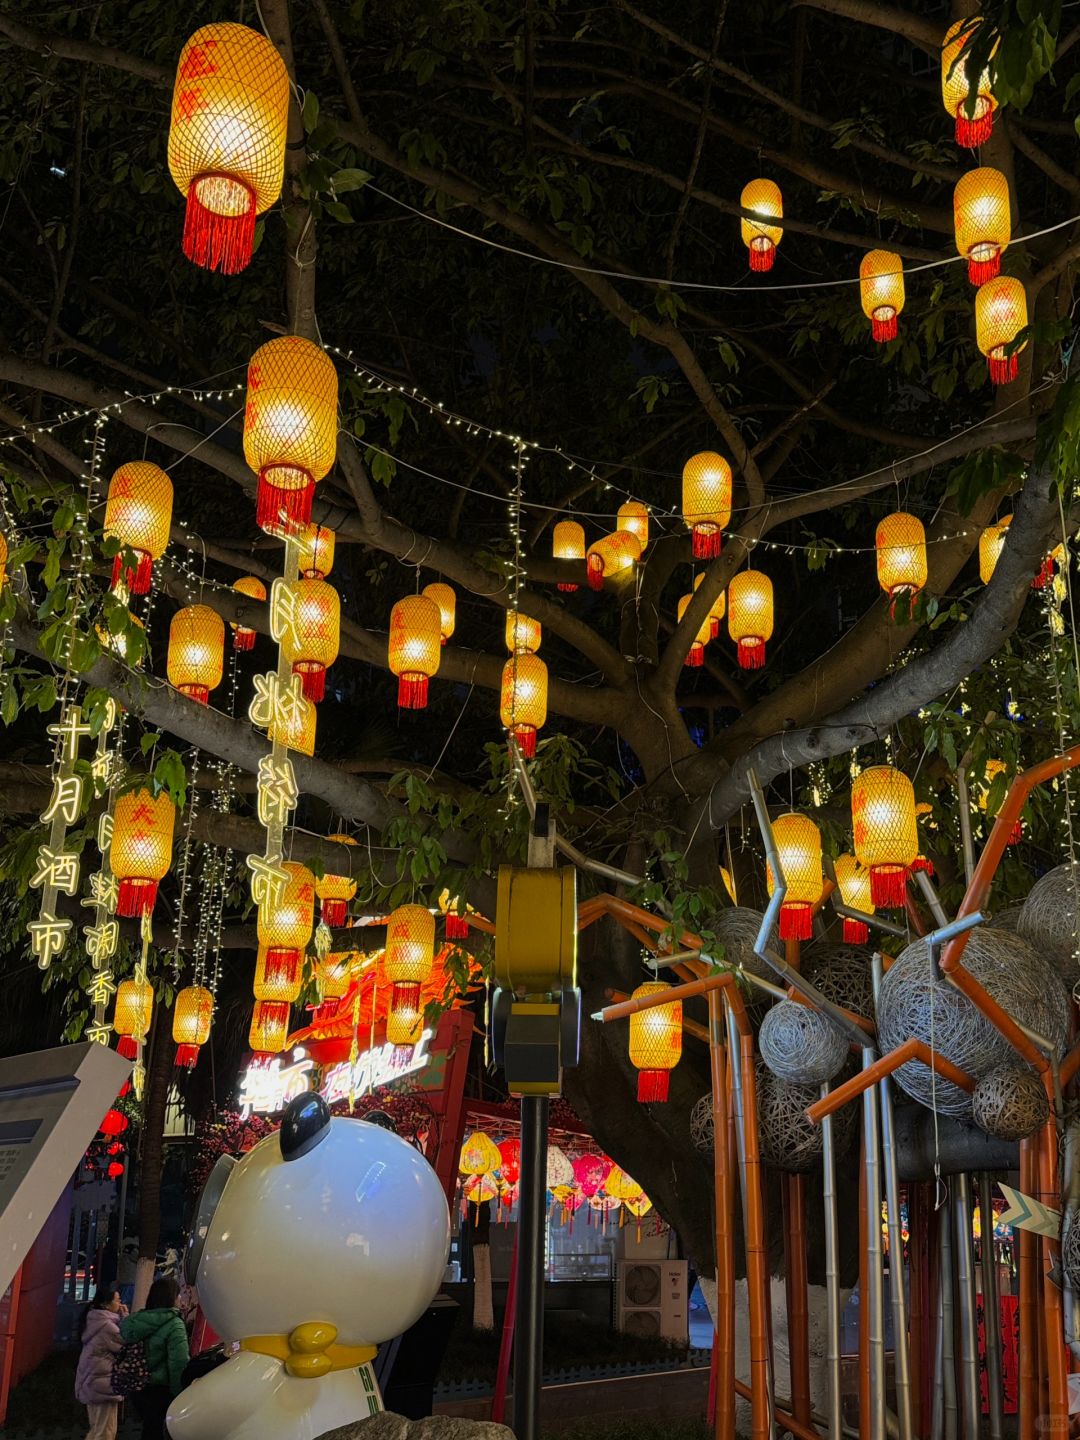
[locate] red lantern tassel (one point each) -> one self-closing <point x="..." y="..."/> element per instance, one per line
<point x="706" y="541"/>
<point x="652" y="1086"/>
<point x="888" y="885"/>
<point x="136" y="897"/>
<point x="762" y="253"/>
<point x="224" y="243"/>
<point x="751" y="653"/>
<point x="1016" y="834"/>
<point x="970" y="134"/>
<point x="595" y="569"/>
<point x="1045" y="575"/>
<point x="128" y="1047"/>
<point x="797" y="921"/>
<point x="923" y="863"/>
<point x="696" y="657"/>
<point x="186" y="1056"/>
<point x="525" y="735"/>
<point x="405" y="996"/>
<point x="335" y="912"/>
<point x="714" y="628"/>
<point x="1002" y="371"/>
<point x="137" y="580"/>
<point x="199" y="693"/>
<point x="243" y="639"/>
<point x="279" y="508"/>
<point x="281" y="964"/>
<point x="313" y="679"/>
<point x="884" y="325"/>
<point x="979" y="271"/>
<point x="456" y="926"/>
<point x="569" y="589"/>
<point x="412" y="691"/>
<point x="856" y="932"/>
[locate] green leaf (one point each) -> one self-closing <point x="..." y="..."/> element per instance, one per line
<point x="339" y="211"/>
<point x="148" y="741"/>
<point x="346" y="180"/>
<point x="310" y="112"/>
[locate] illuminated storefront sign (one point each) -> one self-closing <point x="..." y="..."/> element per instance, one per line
<point x="267" y="1089"/>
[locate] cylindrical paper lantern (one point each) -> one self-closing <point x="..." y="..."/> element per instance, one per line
<point x="310" y="643"/>
<point x="404" y="1028"/>
<point x="415" y="642"/>
<point x="655" y="1043"/>
<point x="196" y="656"/>
<point x="290" y="429"/>
<point x="854" y="885"/>
<point x="243" y="636"/>
<point x="634" y="516"/>
<point x="333" y="975"/>
<point x="284" y="927"/>
<point x="695" y="656"/>
<point x="761" y="238"/>
<point x="971" y="130"/>
<point x="335" y="891"/>
<point x="138" y="513"/>
<point x="900" y="542"/>
<point x="991" y="544"/>
<point x="750" y="616"/>
<point x="612" y="555"/>
<point x="455" y="925"/>
<point x="141" y="849"/>
<point x="523" y="700"/>
<point x="132" y="1012"/>
<point x="193" y="1011"/>
<point x="523" y="633"/>
<point x="798" y="841"/>
<point x="886" y="838"/>
<point x="568" y="543"/>
<point x="279" y="975"/>
<point x="409" y="955"/>
<point x="881" y="288"/>
<point x="269" y="1027"/>
<point x="706" y="501"/>
<point x="445" y="598"/>
<point x="983" y="221"/>
<point x="1000" y="314"/>
<point x="315" y="546"/>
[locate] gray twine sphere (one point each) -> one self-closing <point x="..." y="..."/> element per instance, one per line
<point x="1008" y="919"/>
<point x="701" y="1125"/>
<point x="1048" y="919"/>
<point x="1070" y="1248"/>
<point x="789" y="1141"/>
<point x="801" y="1045"/>
<point x="737" y="930"/>
<point x="1010" y="1102"/>
<point x="912" y="1004"/>
<point x="842" y="974"/>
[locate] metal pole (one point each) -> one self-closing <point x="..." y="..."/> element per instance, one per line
<point x="991" y="1307"/>
<point x="875" y="1299"/>
<point x="964" y="806"/>
<point x="532" y="1217"/>
<point x="832" y="1276"/>
<point x="948" y="1357"/>
<point x="965" y="1284"/>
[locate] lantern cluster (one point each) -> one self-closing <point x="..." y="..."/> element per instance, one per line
<point x="524" y="690"/>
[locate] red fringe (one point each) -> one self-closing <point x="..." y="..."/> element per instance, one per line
<point x="762" y="253"/>
<point x="313" y="678"/>
<point x="199" y="693"/>
<point x="1045" y="575"/>
<point x="137" y="580"/>
<point x="1002" y="371"/>
<point x="653" y="1086"/>
<point x="243" y="639"/>
<point x="278" y="509"/>
<point x="714" y="627"/>
<point x="1016" y="834"/>
<point x="186" y="1056"/>
<point x="696" y="656"/>
<point x="224" y="243"/>
<point x="797" y="921"/>
<point x="405" y="996"/>
<point x="979" y="271"/>
<point x="128" y="1047"/>
<point x="335" y="912"/>
<point x="751" y="653"/>
<point x="412" y="691"/>
<point x="456" y="926"/>
<point x="595" y="572"/>
<point x="136" y="897"/>
<point x="525" y="735"/>
<point x="706" y="540"/>
<point x="923" y="863"/>
<point x="856" y="932"/>
<point x="569" y="589"/>
<point x="888" y="885"/>
<point x="886" y="328"/>
<point x="972" y="133"/>
<point x="282" y="964"/>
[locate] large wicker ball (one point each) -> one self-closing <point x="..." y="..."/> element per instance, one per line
<point x="1070" y="1248"/>
<point x="842" y="974"/>
<point x="1008" y="919"/>
<point x="1010" y="1102"/>
<point x="800" y="1044"/>
<point x="913" y="1003"/>
<point x="737" y="930"/>
<point x="1048" y="919"/>
<point x="701" y="1124"/>
<point x="789" y="1141"/>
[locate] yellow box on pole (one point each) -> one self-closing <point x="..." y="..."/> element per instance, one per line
<point x="536" y="930"/>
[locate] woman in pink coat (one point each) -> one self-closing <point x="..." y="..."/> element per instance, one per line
<point x="93" y="1379"/>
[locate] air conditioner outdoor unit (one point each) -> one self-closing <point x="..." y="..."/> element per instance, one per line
<point x="652" y="1300"/>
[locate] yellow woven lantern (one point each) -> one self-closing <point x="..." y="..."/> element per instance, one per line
<point x="315" y="547"/>
<point x="193" y="1011"/>
<point x="655" y="1044"/>
<point x="455" y="925"/>
<point x="227" y="140"/>
<point x="141" y="848"/>
<point x="983" y="221"/>
<point x="196" y="655"/>
<point x="118" y="644"/>
<point x="415" y="641"/>
<point x="881" y="288"/>
<point x="971" y="131"/>
<point x="568" y="543"/>
<point x="404" y="1027"/>
<point x="290" y="429"/>
<point x="284" y="927"/>
<point x="900" y="542"/>
<point x="706" y="501"/>
<point x="299" y="731"/>
<point x="695" y="656"/>
<point x="1000" y="314"/>
<point x="798" y="841"/>
<point x="886" y="838"/>
<point x="333" y="975"/>
<point x="409" y="956"/>
<point x="445" y="598"/>
<point x="523" y="633"/>
<point x="269" y="1027"/>
<point x="716" y="614"/>
<point x="991" y="544"/>
<point x="335" y="891"/>
<point x="479" y="1155"/>
<point x="132" y="1014"/>
<point x="761" y="238"/>
<point x="275" y="978"/>
<point x="612" y="555"/>
<point x="634" y="516"/>
<point x="750" y="616"/>
<point x="523" y="700"/>
<point x="854" y="885"/>
<point x="310" y="643"/>
<point x="243" y="636"/>
<point x="138" y="513"/>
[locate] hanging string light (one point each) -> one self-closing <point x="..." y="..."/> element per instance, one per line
<point x="251" y="585"/>
<point x="1000" y="314"/>
<point x="141" y="849"/>
<point x="716" y="614"/>
<point x="655" y="1043"/>
<point x="972" y="130"/>
<point x="568" y="543"/>
<point x="315" y="551"/>
<point x="414" y="645"/>
<point x="408" y="960"/>
<point x="706" y="501"/>
<point x="750" y="616"/>
<point x="761" y="238"/>
<point x="900" y="541"/>
<point x="695" y="656"/>
<point x="445" y="598"/>
<point x="634" y="516"/>
<point x="523" y="633"/>
<point x="983" y="221"/>
<point x="311" y="639"/>
<point x="138" y="513"/>
<point x="193" y="1012"/>
<point x="196" y="656"/>
<point x="290" y="429"/>
<point x="885" y="832"/>
<point x="881" y="289"/>
<point x="523" y="700"/>
<point x="132" y="1014"/>
<point x="613" y="555"/>
<point x="854" y="885"/>
<point x="335" y="891"/>
<point x="285" y="922"/>
<point x="798" y="842"/>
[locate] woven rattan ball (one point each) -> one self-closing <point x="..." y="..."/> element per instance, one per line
<point x="1006" y="919"/>
<point x="789" y="1141"/>
<point x="801" y="1045"/>
<point x="737" y="930"/>
<point x="1048" y="918"/>
<point x="1010" y="1102"/>
<point x="842" y="974"/>
<point x="1070" y="1248"/>
<point x="701" y="1125"/>
<point x="912" y="1003"/>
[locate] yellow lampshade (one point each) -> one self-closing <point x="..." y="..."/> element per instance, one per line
<point x="991" y="544"/>
<point x="853" y="882"/>
<point x="141" y="849"/>
<point x="881" y="289"/>
<point x="193" y="1011"/>
<point x="523" y="633"/>
<point x="333" y="975"/>
<point x="798" y="841"/>
<point x="284" y="927"/>
<point x="706" y="501"/>
<point x="269" y="1027"/>
<point x="415" y="642"/>
<point x="299" y="733"/>
<point x="404" y="1026"/>
<point x="251" y="585"/>
<point x="761" y="238"/>
<point x="138" y="513"/>
<point x="613" y="555"/>
<point x="568" y="543"/>
<point x="445" y="598"/>
<point x="310" y="643"/>
<point x="315" y="546"/>
<point x="750" y="616"/>
<point x="132" y="1013"/>
<point x="655" y="1043"/>
<point x="408" y="958"/>
<point x="886" y="838"/>
<point x="695" y="656"/>
<point x="900" y="542"/>
<point x="335" y="891"/>
<point x="523" y="700"/>
<point x="196" y="656"/>
<point x="290" y="429"/>
<point x="634" y="516"/>
<point x="1000" y="314"/>
<point x="983" y="221"/>
<point x="479" y="1155"/>
<point x="976" y="130"/>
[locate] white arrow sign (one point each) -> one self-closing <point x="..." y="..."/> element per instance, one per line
<point x="1027" y="1213"/>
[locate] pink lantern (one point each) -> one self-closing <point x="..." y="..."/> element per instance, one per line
<point x="590" y="1172"/>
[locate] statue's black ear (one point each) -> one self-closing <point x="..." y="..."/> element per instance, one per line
<point x="306" y="1121"/>
<point x="380" y="1118"/>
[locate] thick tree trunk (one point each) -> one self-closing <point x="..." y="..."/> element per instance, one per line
<point x="483" y="1302"/>
<point x="152" y="1153"/>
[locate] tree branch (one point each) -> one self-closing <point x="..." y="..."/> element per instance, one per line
<point x="46" y="43"/>
<point x="927" y="34"/>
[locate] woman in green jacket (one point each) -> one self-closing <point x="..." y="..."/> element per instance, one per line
<point x="165" y="1339"/>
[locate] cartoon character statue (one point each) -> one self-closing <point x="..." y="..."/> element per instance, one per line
<point x="321" y="1242"/>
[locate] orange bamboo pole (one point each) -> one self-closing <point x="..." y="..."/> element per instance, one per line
<point x="686" y="991"/>
<point x="1026" y="1246"/>
<point x="1052" y="1299"/>
<point x="1068" y="1068"/>
<point x="794" y="1196"/>
<point x="785" y="1421"/>
<point x="860" y="1020"/>
<point x="912" y="1049"/>
<point x="757" y="1266"/>
<point x="864" y="1311"/>
<point x="724" y="1415"/>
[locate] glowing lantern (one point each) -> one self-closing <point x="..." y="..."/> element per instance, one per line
<point x="994" y="768"/>
<point x="696" y="654"/>
<point x="115" y="1169"/>
<point x="983" y="221"/>
<point x="315" y="547"/>
<point x="479" y="1154"/>
<point x="716" y="614"/>
<point x="568" y="543"/>
<point x="227" y="140"/>
<point x="290" y="429"/>
<point x="405" y="1028"/>
<point x="446" y="600"/>
<point x="1000" y="314"/>
<point x="750" y="616"/>
<point x="335" y="891"/>
<point x="244" y="637"/>
<point x="192" y="1014"/>
<point x="886" y="838"/>
<point x="115" y="1121"/>
<point x="455" y="926"/>
<point x="510" y="1161"/>
<point x="590" y="1172"/>
<point x="523" y="702"/>
<point x="333" y="975"/>
<point x="881" y="287"/>
<point x="299" y="731"/>
<point x="409" y="955"/>
<point x="138" y="513"/>
<point x="560" y="1172"/>
<point x="269" y="1027"/>
<point x="310" y="643"/>
<point x="611" y="556"/>
<point x="1046" y="571"/>
<point x="706" y="501"/>
<point x="284" y="926"/>
<point x="620" y="1186"/>
<point x="761" y="238"/>
<point x="854" y="883"/>
<point x="132" y="1014"/>
<point x="655" y="1043"/>
<point x="415" y="641"/>
<point x="118" y="644"/>
<point x="523" y="633"/>
<point x="634" y="516"/>
<point x="798" y="841"/>
<point x="991" y="544"/>
<point x="196" y="655"/>
<point x="974" y="130"/>
<point x="278" y="976"/>
<point x="900" y="541"/>
<point x="479" y="1189"/>
<point x="141" y="848"/>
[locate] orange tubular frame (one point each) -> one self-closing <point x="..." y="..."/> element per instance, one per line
<point x="912" y="1049"/>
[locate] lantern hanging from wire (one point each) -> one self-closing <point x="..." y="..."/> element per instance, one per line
<point x="285" y="923"/>
<point x="510" y="1161"/>
<point x="983" y="221"/>
<point x="252" y="586"/>
<point x="695" y="656"/>
<point x="290" y="429"/>
<point x="881" y="288"/>
<point x="479" y="1155"/>
<point x="269" y="1027"/>
<point x="141" y="848"/>
<point x="277" y="978"/>
<point x="1000" y="314"/>
<point x="196" y="656"/>
<point x="634" y="516"/>
<point x="415" y="642"/>
<point x="310" y="641"/>
<point x="333" y="974"/>
<point x="404" y="1030"/>
<point x="523" y="700"/>
<point x="759" y="235"/>
<point x="132" y="1013"/>
<point x="750" y="616"/>
<point x="335" y="891"/>
<point x="798" y="842"/>
<point x="523" y="633"/>
<point x="974" y="127"/>
<point x="885" y="832"/>
<point x="854" y="885"/>
<point x="900" y="542"/>
<point x="991" y="544"/>
<point x="193" y="1011"/>
<point x="455" y="925"/>
<point x="613" y="555"/>
<point x="994" y="768"/>
<point x="138" y="513"/>
<point x="716" y="614"/>
<point x="706" y="501"/>
<point x="315" y="551"/>
<point x="655" y="1043"/>
<point x="446" y="600"/>
<point x="299" y="727"/>
<point x="227" y="140"/>
<point x="409" y="955"/>
<point x="568" y="543"/>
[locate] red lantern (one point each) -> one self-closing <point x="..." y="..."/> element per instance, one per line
<point x="115" y="1170"/>
<point x="115" y="1123"/>
<point x="510" y="1161"/>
